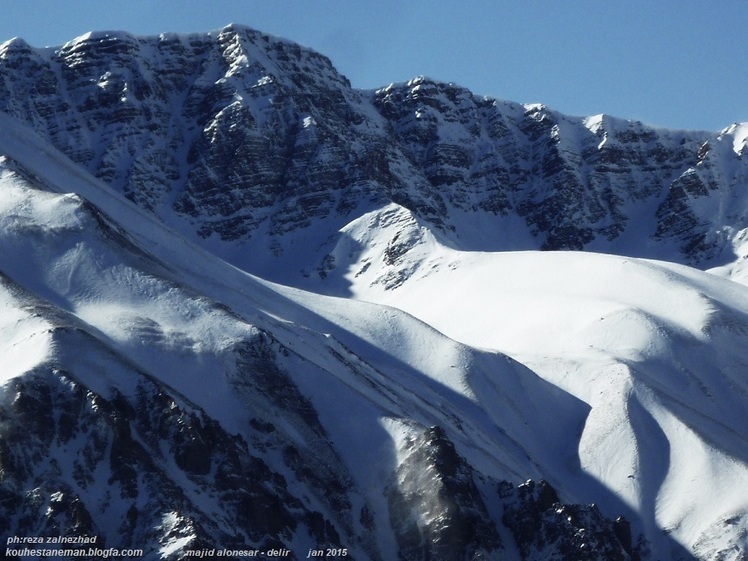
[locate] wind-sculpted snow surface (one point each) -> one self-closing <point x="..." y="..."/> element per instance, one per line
<point x="457" y="404"/>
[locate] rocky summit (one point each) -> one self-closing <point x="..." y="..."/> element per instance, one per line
<point x="251" y="311"/>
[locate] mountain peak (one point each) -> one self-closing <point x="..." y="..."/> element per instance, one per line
<point x="100" y="37"/>
<point x="13" y="47"/>
<point x="739" y="134"/>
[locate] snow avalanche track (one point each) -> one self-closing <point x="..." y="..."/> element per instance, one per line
<point x="620" y="381"/>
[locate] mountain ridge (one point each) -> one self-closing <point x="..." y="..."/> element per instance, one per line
<point x="166" y="133"/>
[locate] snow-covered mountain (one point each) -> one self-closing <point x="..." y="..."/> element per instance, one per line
<point x="246" y="306"/>
<point x="260" y="149"/>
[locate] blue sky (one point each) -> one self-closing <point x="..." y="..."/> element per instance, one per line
<point x="674" y="63"/>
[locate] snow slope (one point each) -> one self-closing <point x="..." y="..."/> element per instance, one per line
<point x="656" y="352"/>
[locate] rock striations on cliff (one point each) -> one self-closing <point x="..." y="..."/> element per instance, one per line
<point x="241" y="139"/>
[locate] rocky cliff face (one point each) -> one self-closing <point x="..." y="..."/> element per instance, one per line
<point x="243" y="138"/>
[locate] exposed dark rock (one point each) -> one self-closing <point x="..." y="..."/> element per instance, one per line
<point x="136" y="441"/>
<point x="546" y="529"/>
<point x="435" y="507"/>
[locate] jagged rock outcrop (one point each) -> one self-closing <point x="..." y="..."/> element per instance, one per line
<point x="435" y="505"/>
<point x="546" y="529"/>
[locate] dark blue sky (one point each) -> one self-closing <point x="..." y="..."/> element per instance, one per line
<point x="675" y="63"/>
